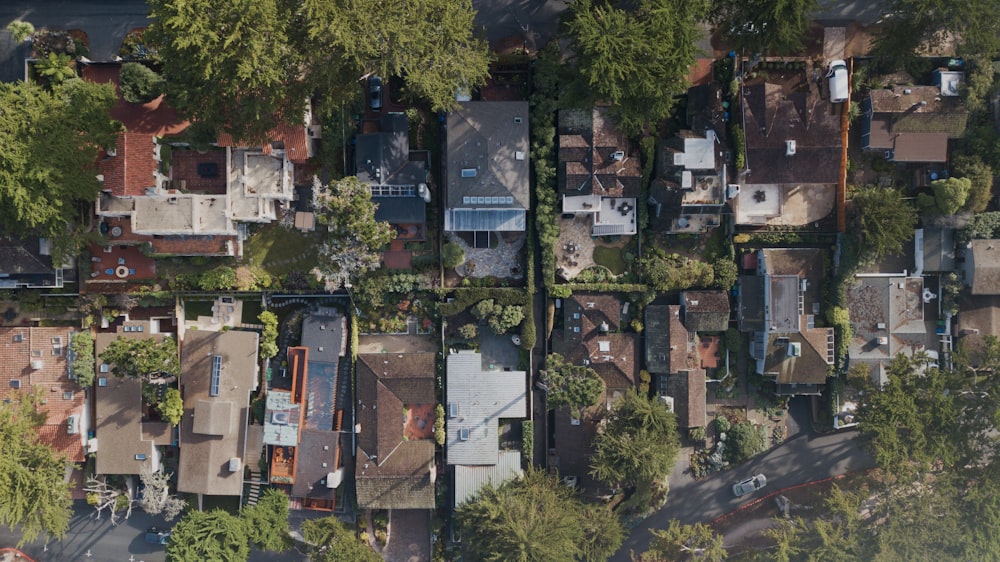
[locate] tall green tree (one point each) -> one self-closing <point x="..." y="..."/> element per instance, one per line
<point x="33" y="493"/>
<point x="331" y="541"/>
<point x="763" y="26"/>
<point x="144" y="358"/>
<point x="48" y="155"/>
<point x="980" y="176"/>
<point x="638" y="443"/>
<point x="230" y="64"/>
<point x="637" y="60"/>
<point x="974" y="26"/>
<point x="950" y="195"/>
<point x="355" y="238"/>
<point x="535" y="518"/>
<point x="267" y="521"/>
<point x="576" y="387"/>
<point x="684" y="542"/>
<point x="171" y="408"/>
<point x="209" y="535"/>
<point x="883" y="221"/>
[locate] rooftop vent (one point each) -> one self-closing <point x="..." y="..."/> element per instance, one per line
<point x="795" y="349"/>
<point x="883" y="340"/>
<point x="618" y="155"/>
<point x="789" y="148"/>
<point x="234" y="464"/>
<point x="468" y="172"/>
<point x="907" y="91"/>
<point x="518" y="155"/>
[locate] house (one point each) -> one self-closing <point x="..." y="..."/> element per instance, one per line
<point x="778" y="306"/>
<point x="978" y="319"/>
<point x="934" y="250"/>
<point x="395" y="175"/>
<point x="26" y="263"/>
<point x="599" y="171"/>
<point x="159" y="191"/>
<point x="478" y="397"/>
<point x="887" y="318"/>
<point x="677" y="356"/>
<point x="793" y="153"/>
<point x="914" y="123"/>
<point x="705" y="311"/>
<point x="218" y="374"/>
<point x="124" y="442"/>
<point x="590" y="337"/>
<point x="395" y="431"/>
<point x="35" y="359"/>
<point x="690" y="188"/>
<point x="486" y="171"/>
<point x="982" y="267"/>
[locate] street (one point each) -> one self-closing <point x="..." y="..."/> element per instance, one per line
<point x="804" y="457"/>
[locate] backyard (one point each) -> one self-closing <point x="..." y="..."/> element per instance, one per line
<point x="280" y="250"/>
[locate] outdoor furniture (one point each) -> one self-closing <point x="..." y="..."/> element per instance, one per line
<point x="95" y="260"/>
<point x="121" y="261"/>
<point x="121" y="272"/>
<point x="109" y="271"/>
<point x="131" y="271"/>
<point x="231" y="309"/>
<point x="95" y="274"/>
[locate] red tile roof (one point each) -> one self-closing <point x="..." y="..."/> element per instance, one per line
<point x="174" y="245"/>
<point x="50" y="378"/>
<point x="130" y="171"/>
<point x="155" y="118"/>
<point x="294" y="137"/>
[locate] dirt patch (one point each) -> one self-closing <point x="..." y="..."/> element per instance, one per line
<point x="418" y="422"/>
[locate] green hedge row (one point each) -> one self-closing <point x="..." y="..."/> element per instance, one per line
<point x="466" y="297"/>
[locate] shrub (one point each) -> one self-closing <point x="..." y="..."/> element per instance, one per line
<point x="468" y="331"/>
<point x="220" y="278"/>
<point x="20" y="30"/>
<point x="528" y="441"/>
<point x="743" y="441"/>
<point x="139" y="84"/>
<point x="528" y="336"/>
<point x="82" y="346"/>
<point x="737" y="143"/>
<point x="697" y="434"/>
<point x="644" y="379"/>
<point x="722" y="424"/>
<point x="452" y="255"/>
<point x="439" y="433"/>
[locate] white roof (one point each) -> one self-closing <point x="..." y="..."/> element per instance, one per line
<point x="469" y="480"/>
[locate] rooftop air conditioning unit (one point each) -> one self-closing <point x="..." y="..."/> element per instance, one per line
<point x="234" y="464"/>
<point x="789" y="148"/>
<point x="618" y="155"/>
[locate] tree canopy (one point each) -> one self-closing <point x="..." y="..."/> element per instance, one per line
<point x="209" y="535"/>
<point x="171" y="408"/>
<point x="533" y="519"/>
<point x="638" y="443"/>
<point x="980" y="176"/>
<point x="267" y="522"/>
<point x="144" y="358"/>
<point x="576" y="387"/>
<point x="950" y="195"/>
<point x="684" y="542"/>
<point x="244" y="65"/>
<point x="884" y="221"/>
<point x="48" y="155"/>
<point x="331" y="541"/>
<point x="355" y="238"/>
<point x="139" y="83"/>
<point x="763" y="26"/>
<point x="33" y="491"/>
<point x="973" y="24"/>
<point x="636" y="60"/>
<point x="82" y="347"/>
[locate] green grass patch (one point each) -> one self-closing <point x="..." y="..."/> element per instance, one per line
<point x="251" y="310"/>
<point x="281" y="250"/>
<point x="194" y="309"/>
<point x="610" y="258"/>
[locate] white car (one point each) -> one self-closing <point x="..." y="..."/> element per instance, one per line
<point x="749" y="485"/>
<point x="839" y="88"/>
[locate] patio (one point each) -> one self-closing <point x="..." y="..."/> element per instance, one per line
<point x="575" y="248"/>
<point x="226" y="311"/>
<point x="120" y="264"/>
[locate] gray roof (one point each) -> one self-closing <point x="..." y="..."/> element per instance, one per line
<point x="482" y="398"/>
<point x="705" y="311"/>
<point x="881" y="308"/>
<point x="400" y="210"/>
<point x="383" y="159"/>
<point x="325" y="334"/>
<point x="469" y="480"/>
<point x="751" y="303"/>
<point x="23" y="265"/>
<point x="281" y="419"/>
<point x="939" y="249"/>
<point x="204" y="466"/>
<point x="316" y="460"/>
<point x="657" y="335"/>
<point x="489" y="139"/>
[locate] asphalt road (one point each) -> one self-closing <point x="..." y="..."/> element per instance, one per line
<point x="804" y="457"/>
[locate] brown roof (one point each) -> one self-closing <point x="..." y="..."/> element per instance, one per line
<point x="669" y="345"/>
<point x="695" y="398"/>
<point x="174" y="245"/>
<point x="121" y="435"/>
<point x="392" y="472"/>
<point x="592" y="313"/>
<point x="318" y="455"/>
<point x="772" y="118"/>
<point x="810" y="367"/>
<point x="294" y="137"/>
<point x="62" y="397"/>
<point x="920" y="147"/>
<point x="585" y="158"/>
<point x="986" y="267"/>
<point x="978" y="318"/>
<point x="922" y="110"/>
<point x="205" y="457"/>
<point x="706" y="311"/>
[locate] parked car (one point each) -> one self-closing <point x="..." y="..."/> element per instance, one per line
<point x="155" y="535"/>
<point x="749" y="485"/>
<point x="375" y="92"/>
<point x="839" y="89"/>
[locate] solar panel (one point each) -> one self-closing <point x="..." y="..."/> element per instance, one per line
<point x="216" y="371"/>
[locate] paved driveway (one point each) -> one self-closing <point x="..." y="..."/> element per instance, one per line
<point x="804" y="457"/>
<point x="409" y="536"/>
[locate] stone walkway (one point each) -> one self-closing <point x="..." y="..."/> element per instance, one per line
<point x="491" y="262"/>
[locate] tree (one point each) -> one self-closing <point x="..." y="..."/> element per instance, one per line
<point x="48" y="155"/>
<point x="637" y="443"/>
<point x="331" y="541"/>
<point x="913" y="421"/>
<point x="143" y="358"/>
<point x="684" y="542"/>
<point x="535" y="518"/>
<point x="468" y="331"/>
<point x="980" y="176"/>
<point x="636" y="60"/>
<point x="576" y="387"/>
<point x="105" y="496"/>
<point x="139" y="83"/>
<point x="506" y="318"/>
<point x="156" y="498"/>
<point x="172" y="406"/>
<point x="763" y="26"/>
<point x="55" y="68"/>
<point x="671" y="272"/>
<point x="230" y="64"/>
<point x="744" y="440"/>
<point x="725" y="272"/>
<point x="209" y="535"/>
<point x="217" y="279"/>
<point x="950" y="195"/>
<point x="452" y="255"/>
<point x="983" y="226"/>
<point x="82" y="347"/>
<point x="20" y="30"/>
<point x="35" y="495"/>
<point x="267" y="522"/>
<point x="914" y="23"/>
<point x="269" y="336"/>
<point x="884" y="221"/>
<point x="355" y="237"/>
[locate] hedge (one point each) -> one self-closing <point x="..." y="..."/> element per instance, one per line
<point x="466" y="297"/>
<point x="528" y="336"/>
<point x="528" y="441"/>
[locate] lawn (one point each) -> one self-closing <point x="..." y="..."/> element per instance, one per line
<point x="194" y="309"/>
<point x="280" y="250"/>
<point x="251" y="310"/>
<point x="611" y="258"/>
